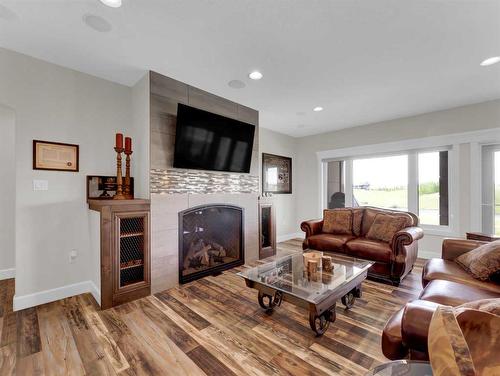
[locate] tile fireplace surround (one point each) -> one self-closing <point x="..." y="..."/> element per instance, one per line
<point x="165" y="227"/>
<point x="174" y="190"/>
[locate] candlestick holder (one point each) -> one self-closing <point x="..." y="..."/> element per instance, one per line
<point x="119" y="191"/>
<point x="127" y="191"/>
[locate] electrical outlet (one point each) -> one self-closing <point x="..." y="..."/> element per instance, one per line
<point x="40" y="185"/>
<point x="73" y="255"/>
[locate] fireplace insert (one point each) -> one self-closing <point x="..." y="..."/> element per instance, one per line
<point x="210" y="240"/>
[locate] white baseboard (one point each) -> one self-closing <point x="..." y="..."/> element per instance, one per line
<point x="47" y="296"/>
<point x="7" y="273"/>
<point x="284" y="238"/>
<point x="428" y="254"/>
<point x="96" y="292"/>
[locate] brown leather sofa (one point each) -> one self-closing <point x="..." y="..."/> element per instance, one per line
<point x="393" y="260"/>
<point x="444" y="283"/>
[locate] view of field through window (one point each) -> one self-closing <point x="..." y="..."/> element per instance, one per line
<point x="383" y="182"/>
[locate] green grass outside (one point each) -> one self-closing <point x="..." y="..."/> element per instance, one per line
<point x="428" y="203"/>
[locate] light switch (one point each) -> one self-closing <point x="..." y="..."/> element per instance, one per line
<point x="40" y="185"/>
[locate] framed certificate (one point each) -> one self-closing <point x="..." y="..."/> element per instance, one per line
<point x="55" y="156"/>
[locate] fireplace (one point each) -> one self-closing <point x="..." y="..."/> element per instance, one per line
<point x="210" y="240"/>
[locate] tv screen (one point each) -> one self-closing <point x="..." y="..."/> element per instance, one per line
<point x="206" y="141"/>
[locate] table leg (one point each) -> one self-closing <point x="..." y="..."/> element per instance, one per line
<point x="268" y="302"/>
<point x="349" y="298"/>
<point x="320" y="324"/>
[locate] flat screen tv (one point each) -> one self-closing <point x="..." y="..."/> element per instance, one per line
<point x="206" y="141"/>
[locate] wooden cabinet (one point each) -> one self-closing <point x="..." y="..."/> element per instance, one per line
<point x="125" y="250"/>
<point x="267" y="227"/>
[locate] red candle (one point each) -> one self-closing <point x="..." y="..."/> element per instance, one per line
<point x="128" y="144"/>
<point x="119" y="141"/>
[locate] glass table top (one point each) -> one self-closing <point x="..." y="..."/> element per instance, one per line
<point x="290" y="274"/>
<point x="402" y="368"/>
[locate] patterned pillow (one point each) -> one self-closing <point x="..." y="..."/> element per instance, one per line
<point x="385" y="226"/>
<point x="338" y="221"/>
<point x="484" y="305"/>
<point x="448" y="350"/>
<point x="482" y="262"/>
<point x="357" y="219"/>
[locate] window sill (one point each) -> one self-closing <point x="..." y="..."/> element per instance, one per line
<point x="438" y="230"/>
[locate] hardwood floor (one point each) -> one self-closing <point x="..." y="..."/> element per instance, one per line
<point x="212" y="326"/>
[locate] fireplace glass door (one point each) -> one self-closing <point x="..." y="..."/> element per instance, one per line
<point x="210" y="240"/>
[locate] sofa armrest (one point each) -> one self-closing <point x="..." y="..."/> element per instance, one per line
<point x="452" y="248"/>
<point x="312" y="227"/>
<point x="406" y="236"/>
<point x="415" y="323"/>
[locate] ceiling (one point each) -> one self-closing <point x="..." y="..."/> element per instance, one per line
<point x="363" y="61"/>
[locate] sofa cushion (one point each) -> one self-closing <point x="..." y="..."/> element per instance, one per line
<point x="369" y="249"/>
<point x="328" y="242"/>
<point x="337" y="221"/>
<point x="385" y="226"/>
<point x="448" y="270"/>
<point x="483" y="261"/>
<point x="453" y="293"/>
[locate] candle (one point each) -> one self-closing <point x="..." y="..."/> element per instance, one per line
<point x="119" y="141"/>
<point x="128" y="144"/>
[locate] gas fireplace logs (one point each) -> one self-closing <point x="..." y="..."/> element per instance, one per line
<point x="204" y="254"/>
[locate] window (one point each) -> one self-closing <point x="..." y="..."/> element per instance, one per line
<point x="433" y="188"/>
<point x="381" y="182"/>
<point x="335" y="194"/>
<point x="491" y="189"/>
<point x="415" y="181"/>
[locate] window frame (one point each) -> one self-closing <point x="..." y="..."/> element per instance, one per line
<point x="487" y="179"/>
<point x="413" y="198"/>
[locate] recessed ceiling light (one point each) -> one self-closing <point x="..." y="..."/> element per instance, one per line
<point x="490" y="61"/>
<point x="112" y="3"/>
<point x="255" y="75"/>
<point x="97" y="23"/>
<point x="236" y="84"/>
<point x="318" y="109"/>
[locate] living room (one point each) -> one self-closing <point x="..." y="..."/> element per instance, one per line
<point x="239" y="187"/>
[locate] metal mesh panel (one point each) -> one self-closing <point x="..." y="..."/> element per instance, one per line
<point x="131" y="250"/>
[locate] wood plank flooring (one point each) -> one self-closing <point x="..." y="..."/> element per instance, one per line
<point x="213" y="326"/>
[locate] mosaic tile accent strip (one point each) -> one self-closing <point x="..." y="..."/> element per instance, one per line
<point x="186" y="181"/>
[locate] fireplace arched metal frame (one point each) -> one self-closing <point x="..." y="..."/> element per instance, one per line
<point x="216" y="269"/>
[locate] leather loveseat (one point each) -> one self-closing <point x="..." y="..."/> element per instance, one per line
<point x="394" y="257"/>
<point x="445" y="283"/>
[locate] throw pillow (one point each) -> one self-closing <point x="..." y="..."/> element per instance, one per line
<point x="482" y="262"/>
<point x="485" y="305"/>
<point x="357" y="219"/>
<point x="448" y="350"/>
<point x="337" y="221"/>
<point x="385" y="226"/>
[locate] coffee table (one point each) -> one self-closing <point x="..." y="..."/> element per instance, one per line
<point x="287" y="279"/>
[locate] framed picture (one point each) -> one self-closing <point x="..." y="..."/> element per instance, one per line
<point x="276" y="174"/>
<point x="55" y="156"/>
<point x="103" y="187"/>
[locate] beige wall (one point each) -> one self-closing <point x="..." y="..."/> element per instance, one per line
<point x="458" y="120"/>
<point x="58" y="104"/>
<point x="8" y="192"/>
<point x="285" y="204"/>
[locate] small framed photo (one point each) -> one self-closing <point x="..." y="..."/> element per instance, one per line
<point x="55" y="156"/>
<point x="276" y="174"/>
